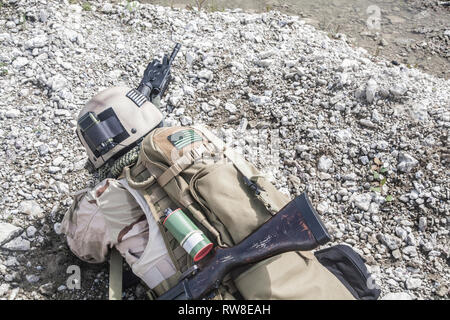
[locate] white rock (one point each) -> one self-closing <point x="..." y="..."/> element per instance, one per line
<point x="323" y="207"/>
<point x="362" y="201"/>
<point x="8" y="231"/>
<point x="231" y="108"/>
<point x="31" y="208"/>
<point x="205" y="74"/>
<point x="57" y="161"/>
<point x="324" y="164"/>
<point x="37" y="42"/>
<point x="57" y="227"/>
<point x="31" y="231"/>
<point x="32" y="278"/>
<point x="12" y="113"/>
<point x="406" y="162"/>
<point x="258" y="100"/>
<point x="396" y="296"/>
<point x="57" y="82"/>
<point x="4" y="288"/>
<point x="413" y="283"/>
<point x="20" y="62"/>
<point x="18" y="244"/>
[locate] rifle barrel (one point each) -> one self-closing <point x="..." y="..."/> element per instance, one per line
<point x="174" y="53"/>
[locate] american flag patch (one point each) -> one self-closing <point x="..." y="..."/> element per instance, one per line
<point x="138" y="98"/>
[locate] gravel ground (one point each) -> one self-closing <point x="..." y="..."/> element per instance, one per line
<point x="367" y="139"/>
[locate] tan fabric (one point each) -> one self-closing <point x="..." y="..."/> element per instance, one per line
<point x="230" y="211"/>
<point x="85" y="228"/>
<point x="113" y="214"/>
<point x="143" y="119"/>
<point x="119" y="207"/>
<point x="291" y="277"/>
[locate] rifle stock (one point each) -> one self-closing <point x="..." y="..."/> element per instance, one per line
<point x="296" y="227"/>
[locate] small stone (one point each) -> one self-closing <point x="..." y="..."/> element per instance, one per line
<point x="422" y="224"/>
<point x="43" y="149"/>
<point x="31" y="231"/>
<point x="47" y="289"/>
<point x="57" y="227"/>
<point x="57" y="82"/>
<point x="231" y="108"/>
<point x="62" y="288"/>
<point x="413" y="283"/>
<point x="20" y="62"/>
<point x="12" y="113"/>
<point x="8" y="231"/>
<point x="31" y="208"/>
<point x="364" y="160"/>
<point x="53" y="169"/>
<point x="57" y="161"/>
<point x="36" y="42"/>
<point x="4" y="288"/>
<point x="31" y="278"/>
<point x="362" y="201"/>
<point x="18" y="244"/>
<point x="443" y="291"/>
<point x="410" y="251"/>
<point x="371" y="90"/>
<point x="396" y="254"/>
<point x="367" y="123"/>
<point x="406" y="162"/>
<point x="205" y="74"/>
<point x="323" y="207"/>
<point x="324" y="164"/>
<point x="401" y="233"/>
<point x="397" y="296"/>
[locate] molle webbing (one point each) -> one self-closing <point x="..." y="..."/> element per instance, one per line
<point x="241" y="165"/>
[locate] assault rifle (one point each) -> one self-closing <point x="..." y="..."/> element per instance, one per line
<point x="157" y="76"/>
<point x="296" y="227"/>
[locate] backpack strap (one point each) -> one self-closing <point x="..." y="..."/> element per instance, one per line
<point x="251" y="176"/>
<point x="115" y="275"/>
<point x="182" y="163"/>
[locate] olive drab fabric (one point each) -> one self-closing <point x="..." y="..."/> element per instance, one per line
<point x="228" y="198"/>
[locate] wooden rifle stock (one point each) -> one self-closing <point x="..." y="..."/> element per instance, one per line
<point x="296" y="227"/>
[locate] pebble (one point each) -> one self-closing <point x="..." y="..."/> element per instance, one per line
<point x="31" y="208"/>
<point x="406" y="162"/>
<point x="31" y="231"/>
<point x="20" y="62"/>
<point x="205" y="74"/>
<point x="12" y="113"/>
<point x="4" y="289"/>
<point x="231" y="108"/>
<point x="413" y="283"/>
<point x="397" y="296"/>
<point x="32" y="278"/>
<point x="371" y="90"/>
<point x="324" y="164"/>
<point x="8" y="231"/>
<point x="362" y="201"/>
<point x="18" y="244"/>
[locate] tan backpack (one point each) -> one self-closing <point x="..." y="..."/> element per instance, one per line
<point x="228" y="198"/>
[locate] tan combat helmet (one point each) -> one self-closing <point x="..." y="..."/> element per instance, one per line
<point x="113" y="121"/>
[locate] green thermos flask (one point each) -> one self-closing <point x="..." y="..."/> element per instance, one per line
<point x="191" y="238"/>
